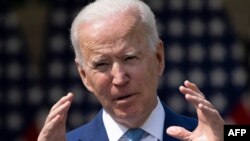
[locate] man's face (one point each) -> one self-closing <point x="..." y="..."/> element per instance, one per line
<point x="120" y="69"/>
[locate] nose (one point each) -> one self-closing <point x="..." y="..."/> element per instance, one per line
<point x="120" y="76"/>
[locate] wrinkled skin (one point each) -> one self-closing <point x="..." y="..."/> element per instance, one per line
<point x="120" y="69"/>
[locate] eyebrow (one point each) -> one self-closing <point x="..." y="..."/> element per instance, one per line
<point x="133" y="52"/>
<point x="97" y="58"/>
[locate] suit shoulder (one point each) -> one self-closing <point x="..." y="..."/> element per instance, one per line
<point x="89" y="131"/>
<point x="77" y="133"/>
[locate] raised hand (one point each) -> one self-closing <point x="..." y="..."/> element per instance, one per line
<point x="210" y="124"/>
<point x="54" y="128"/>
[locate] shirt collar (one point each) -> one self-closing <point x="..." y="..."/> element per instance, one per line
<point x="153" y="125"/>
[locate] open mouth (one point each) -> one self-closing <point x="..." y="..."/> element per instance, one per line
<point x="125" y="97"/>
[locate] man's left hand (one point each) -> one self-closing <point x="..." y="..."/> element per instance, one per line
<point x="210" y="124"/>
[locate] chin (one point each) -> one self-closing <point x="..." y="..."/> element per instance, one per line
<point x="126" y="120"/>
<point x="126" y="113"/>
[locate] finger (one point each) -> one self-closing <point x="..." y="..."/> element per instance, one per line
<point x="61" y="110"/>
<point x="193" y="87"/>
<point x="65" y="114"/>
<point x="214" y="120"/>
<point x="178" y="132"/>
<point x="48" y="128"/>
<point x="185" y="91"/>
<point x="211" y="114"/>
<point x="53" y="123"/>
<point x="195" y="100"/>
<point x="68" y="97"/>
<point x="54" y="110"/>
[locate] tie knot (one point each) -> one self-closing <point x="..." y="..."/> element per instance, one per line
<point x="134" y="134"/>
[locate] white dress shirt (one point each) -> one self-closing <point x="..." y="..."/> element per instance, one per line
<point x="153" y="125"/>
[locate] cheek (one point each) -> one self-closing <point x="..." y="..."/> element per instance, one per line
<point x="102" y="90"/>
<point x="148" y="78"/>
<point x="101" y="84"/>
<point x="147" y="71"/>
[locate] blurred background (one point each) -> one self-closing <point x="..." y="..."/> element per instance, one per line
<point x="206" y="42"/>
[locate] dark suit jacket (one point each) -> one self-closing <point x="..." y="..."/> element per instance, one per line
<point x="95" y="130"/>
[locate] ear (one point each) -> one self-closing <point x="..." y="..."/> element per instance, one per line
<point x="160" y="57"/>
<point x="83" y="75"/>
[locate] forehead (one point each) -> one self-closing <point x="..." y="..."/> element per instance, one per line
<point x="117" y="48"/>
<point x="122" y="30"/>
<point x="113" y="27"/>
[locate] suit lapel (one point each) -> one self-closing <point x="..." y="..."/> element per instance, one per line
<point x="96" y="130"/>
<point x="172" y="118"/>
<point x="167" y="123"/>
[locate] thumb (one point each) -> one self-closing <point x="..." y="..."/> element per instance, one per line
<point x="178" y="132"/>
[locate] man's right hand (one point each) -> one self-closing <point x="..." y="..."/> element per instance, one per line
<point x="54" y="128"/>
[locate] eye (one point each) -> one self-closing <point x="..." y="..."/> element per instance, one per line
<point x="100" y="64"/>
<point x="128" y="58"/>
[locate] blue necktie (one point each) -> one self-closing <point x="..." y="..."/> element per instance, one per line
<point x="134" y="134"/>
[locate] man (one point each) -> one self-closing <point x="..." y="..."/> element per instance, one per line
<point x="120" y="59"/>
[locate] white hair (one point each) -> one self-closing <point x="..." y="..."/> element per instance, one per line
<point x="107" y="8"/>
